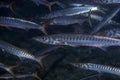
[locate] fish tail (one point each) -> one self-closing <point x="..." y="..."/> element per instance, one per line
<point x="11" y="72"/>
<point x="36" y="75"/>
<point x="11" y="7"/>
<point x="89" y="19"/>
<point x="40" y="58"/>
<point x="51" y="4"/>
<point x="44" y="30"/>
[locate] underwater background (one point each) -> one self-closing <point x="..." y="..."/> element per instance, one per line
<point x="56" y="64"/>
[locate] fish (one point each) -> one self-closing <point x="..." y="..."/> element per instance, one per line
<point x="5" y="5"/>
<point x="76" y="40"/>
<point x="21" y="54"/>
<point x="100" y="18"/>
<point x="19" y="76"/>
<point x="107" y="1"/>
<point x="98" y="67"/>
<point x="70" y="12"/>
<point x="111" y="32"/>
<point x="105" y="20"/>
<point x="8" y="69"/>
<point x="20" y="24"/>
<point x="44" y="2"/>
<point x="67" y="20"/>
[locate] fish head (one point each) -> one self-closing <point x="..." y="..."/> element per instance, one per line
<point x="80" y="65"/>
<point x="42" y="39"/>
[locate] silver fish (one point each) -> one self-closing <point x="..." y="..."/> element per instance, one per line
<point x="107" y="1"/>
<point x="21" y="54"/>
<point x="67" y="20"/>
<point x="99" y="68"/>
<point x="19" y="76"/>
<point x="78" y="40"/>
<point x="112" y="32"/>
<point x="8" y="69"/>
<point x="20" y="23"/>
<point x="70" y="12"/>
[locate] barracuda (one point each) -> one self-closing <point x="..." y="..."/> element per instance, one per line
<point x="97" y="67"/>
<point x="78" y="40"/>
<point x="21" y="54"/>
<point x="20" y="23"/>
<point x="70" y="12"/>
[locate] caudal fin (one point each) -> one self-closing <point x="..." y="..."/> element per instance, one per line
<point x="11" y="7"/>
<point x="10" y="70"/>
<point x="40" y="58"/>
<point x="44" y="30"/>
<point x="36" y="75"/>
<point x="51" y="4"/>
<point x="89" y="19"/>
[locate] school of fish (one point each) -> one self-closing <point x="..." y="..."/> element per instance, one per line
<point x="103" y="32"/>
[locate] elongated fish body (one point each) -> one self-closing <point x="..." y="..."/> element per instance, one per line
<point x="70" y="12"/>
<point x="97" y="67"/>
<point x="112" y="32"/>
<point x="107" y="1"/>
<point x="19" y="23"/>
<point x="8" y="69"/>
<point x="78" y="40"/>
<point x="21" y="54"/>
<point x="67" y="20"/>
<point x="19" y="76"/>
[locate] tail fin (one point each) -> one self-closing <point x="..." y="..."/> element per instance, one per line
<point x="44" y="30"/>
<point x="36" y="75"/>
<point x="51" y="4"/>
<point x="40" y="58"/>
<point x="10" y="7"/>
<point x="10" y="71"/>
<point x="89" y="19"/>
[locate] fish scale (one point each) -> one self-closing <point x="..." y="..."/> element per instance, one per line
<point x="97" y="67"/>
<point x="78" y="40"/>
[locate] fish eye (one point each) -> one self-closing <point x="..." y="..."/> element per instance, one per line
<point x="44" y="38"/>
